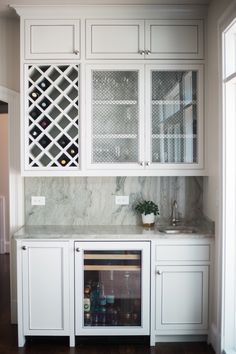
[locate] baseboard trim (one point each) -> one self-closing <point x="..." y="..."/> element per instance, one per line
<point x="215" y="338"/>
<point x="180" y="338"/>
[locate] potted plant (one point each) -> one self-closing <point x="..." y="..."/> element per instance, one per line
<point x="148" y="210"/>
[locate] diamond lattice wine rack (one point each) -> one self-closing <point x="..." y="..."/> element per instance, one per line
<point x="53" y="116"/>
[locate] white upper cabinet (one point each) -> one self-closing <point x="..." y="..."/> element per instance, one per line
<point x="115" y="117"/>
<point x="155" y="39"/>
<point x="174" y="39"/>
<point x="52" y="39"/>
<point x="144" y="125"/>
<point x="114" y="39"/>
<point x="174" y="116"/>
<point x="122" y="90"/>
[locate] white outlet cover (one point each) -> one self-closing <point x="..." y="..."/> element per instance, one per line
<point x="122" y="200"/>
<point x="37" y="200"/>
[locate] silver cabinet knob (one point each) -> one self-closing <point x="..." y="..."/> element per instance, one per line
<point x="148" y="163"/>
<point x="76" y="52"/>
<point x="141" y="163"/>
<point x="142" y="52"/>
<point x="147" y="52"/>
<point x="77" y="249"/>
<point x="158" y="272"/>
<point x="23" y="248"/>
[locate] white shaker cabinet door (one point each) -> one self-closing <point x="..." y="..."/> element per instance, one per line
<point x="52" y="39"/>
<point x="45" y="288"/>
<point x="181" y="299"/>
<point x="114" y="39"/>
<point x="174" y="39"/>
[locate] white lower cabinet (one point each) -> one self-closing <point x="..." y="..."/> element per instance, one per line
<point x="181" y="298"/>
<point x="182" y="288"/>
<point x="75" y="288"/>
<point x="44" y="290"/>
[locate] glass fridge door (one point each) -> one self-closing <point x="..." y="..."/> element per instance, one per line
<point x="113" y="294"/>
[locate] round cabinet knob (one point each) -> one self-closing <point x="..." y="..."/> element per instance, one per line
<point x="77" y="249"/>
<point x="24" y="248"/>
<point x="148" y="163"/>
<point x="141" y="163"/>
<point x="147" y="52"/>
<point x="158" y="272"/>
<point x="76" y="52"/>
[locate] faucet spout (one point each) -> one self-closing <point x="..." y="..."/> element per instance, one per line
<point x="174" y="213"/>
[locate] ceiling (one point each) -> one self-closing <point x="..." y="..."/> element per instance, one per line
<point x="5" y="11"/>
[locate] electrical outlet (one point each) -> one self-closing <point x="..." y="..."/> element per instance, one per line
<point x="37" y="200"/>
<point x="122" y="199"/>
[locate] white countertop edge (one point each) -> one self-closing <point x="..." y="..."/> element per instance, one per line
<point x="102" y="233"/>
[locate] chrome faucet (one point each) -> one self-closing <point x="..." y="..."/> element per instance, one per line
<point x="174" y="213"/>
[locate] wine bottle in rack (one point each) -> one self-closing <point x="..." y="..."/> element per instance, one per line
<point x="45" y="103"/>
<point x="45" y="122"/>
<point x="63" y="160"/>
<point x="35" y="132"/>
<point x="35" y="113"/>
<point x="73" y="150"/>
<point x="63" y="141"/>
<point x="44" y="84"/>
<point x="44" y="141"/>
<point x="35" y="94"/>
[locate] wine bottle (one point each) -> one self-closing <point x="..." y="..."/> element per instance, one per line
<point x="63" y="141"/>
<point x="35" y="113"/>
<point x="35" y="132"/>
<point x="44" y="141"/>
<point x="127" y="301"/>
<point x="45" y="103"/>
<point x="45" y="122"/>
<point x="63" y="160"/>
<point x="44" y="84"/>
<point x="87" y="304"/>
<point x="35" y="94"/>
<point x="73" y="150"/>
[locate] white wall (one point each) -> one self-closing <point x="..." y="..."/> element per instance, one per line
<point x="10" y="53"/>
<point x="213" y="121"/>
<point x="4" y="170"/>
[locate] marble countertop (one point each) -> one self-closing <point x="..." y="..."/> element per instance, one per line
<point x="104" y="232"/>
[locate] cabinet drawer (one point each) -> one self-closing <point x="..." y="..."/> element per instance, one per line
<point x="182" y="253"/>
<point x="52" y="39"/>
<point x="174" y="39"/>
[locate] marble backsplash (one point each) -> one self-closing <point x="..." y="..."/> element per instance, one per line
<point x="91" y="200"/>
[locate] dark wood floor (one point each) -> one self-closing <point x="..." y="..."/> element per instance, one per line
<point x="37" y="345"/>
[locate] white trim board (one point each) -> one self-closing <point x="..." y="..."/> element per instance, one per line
<point x="16" y="182"/>
<point x="227" y="286"/>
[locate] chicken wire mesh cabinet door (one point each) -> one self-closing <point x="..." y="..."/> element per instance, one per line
<point x="52" y="117"/>
<point x="115" y="119"/>
<point x="175" y="112"/>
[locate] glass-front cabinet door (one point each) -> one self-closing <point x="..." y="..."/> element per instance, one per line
<point x="112" y="288"/>
<point x="115" y="121"/>
<point x="174" y="104"/>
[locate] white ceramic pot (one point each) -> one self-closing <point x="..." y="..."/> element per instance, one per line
<point x="148" y="220"/>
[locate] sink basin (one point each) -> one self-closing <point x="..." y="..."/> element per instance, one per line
<point x="177" y="230"/>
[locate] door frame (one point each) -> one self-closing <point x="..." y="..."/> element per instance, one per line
<point x="226" y="341"/>
<point x="16" y="183"/>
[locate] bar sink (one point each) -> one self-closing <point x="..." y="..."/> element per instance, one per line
<point x="177" y="230"/>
